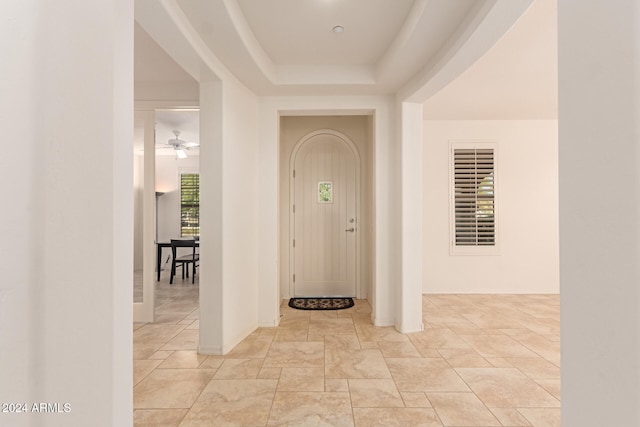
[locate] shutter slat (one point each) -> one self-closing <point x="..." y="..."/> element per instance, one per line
<point x="474" y="196"/>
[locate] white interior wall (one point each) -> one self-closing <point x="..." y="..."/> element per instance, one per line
<point x="229" y="208"/>
<point x="65" y="297"/>
<point x="599" y="100"/>
<point x="240" y="213"/>
<point x="268" y="231"/>
<point x="292" y="129"/>
<point x="527" y="179"/>
<point x="211" y="262"/>
<point x="170" y="92"/>
<point x="408" y="295"/>
<point x="370" y="248"/>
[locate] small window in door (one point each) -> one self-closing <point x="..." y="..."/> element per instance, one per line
<point x="325" y="192"/>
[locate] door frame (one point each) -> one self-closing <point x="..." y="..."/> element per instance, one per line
<point x="146" y="111"/>
<point x="292" y="158"/>
<point x="145" y="311"/>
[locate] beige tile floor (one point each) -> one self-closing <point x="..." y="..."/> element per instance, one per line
<point x="482" y="360"/>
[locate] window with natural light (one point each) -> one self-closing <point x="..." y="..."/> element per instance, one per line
<point x="189" y="204"/>
<point x="473" y="201"/>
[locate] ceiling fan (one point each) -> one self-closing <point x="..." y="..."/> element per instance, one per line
<point x="179" y="146"/>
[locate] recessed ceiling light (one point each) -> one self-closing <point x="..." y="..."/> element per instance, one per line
<point x="338" y="29"/>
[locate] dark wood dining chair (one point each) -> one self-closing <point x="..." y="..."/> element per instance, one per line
<point x="184" y="260"/>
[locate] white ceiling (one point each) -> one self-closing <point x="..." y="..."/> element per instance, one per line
<point x="152" y="64"/>
<point x="369" y="28"/>
<point x="288" y="47"/>
<point x="277" y="46"/>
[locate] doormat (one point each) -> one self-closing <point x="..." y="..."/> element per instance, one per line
<point x="321" y="303"/>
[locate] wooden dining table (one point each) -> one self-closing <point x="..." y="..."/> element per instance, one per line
<point x="161" y="245"/>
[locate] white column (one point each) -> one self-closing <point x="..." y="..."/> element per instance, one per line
<point x="66" y="294"/>
<point x="599" y="163"/>
<point x="239" y="213"/>
<point x="21" y="299"/>
<point x="211" y="255"/>
<point x="409" y="307"/>
<point x="268" y="285"/>
<point x="386" y="213"/>
<point x="229" y="215"/>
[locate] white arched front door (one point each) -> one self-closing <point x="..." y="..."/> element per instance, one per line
<point x="324" y="194"/>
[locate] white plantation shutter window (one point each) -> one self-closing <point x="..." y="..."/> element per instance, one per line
<point x="189" y="204"/>
<point x="473" y="198"/>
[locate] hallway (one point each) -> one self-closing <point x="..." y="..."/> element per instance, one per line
<point x="483" y="360"/>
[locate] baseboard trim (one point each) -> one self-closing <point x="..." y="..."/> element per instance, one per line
<point x="410" y="330"/>
<point x="382" y="322"/>
<point x="215" y="350"/>
<point x="272" y="324"/>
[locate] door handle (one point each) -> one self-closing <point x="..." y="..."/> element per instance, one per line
<point x="350" y="230"/>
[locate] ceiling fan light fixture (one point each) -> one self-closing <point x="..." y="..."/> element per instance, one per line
<point x="180" y="153"/>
